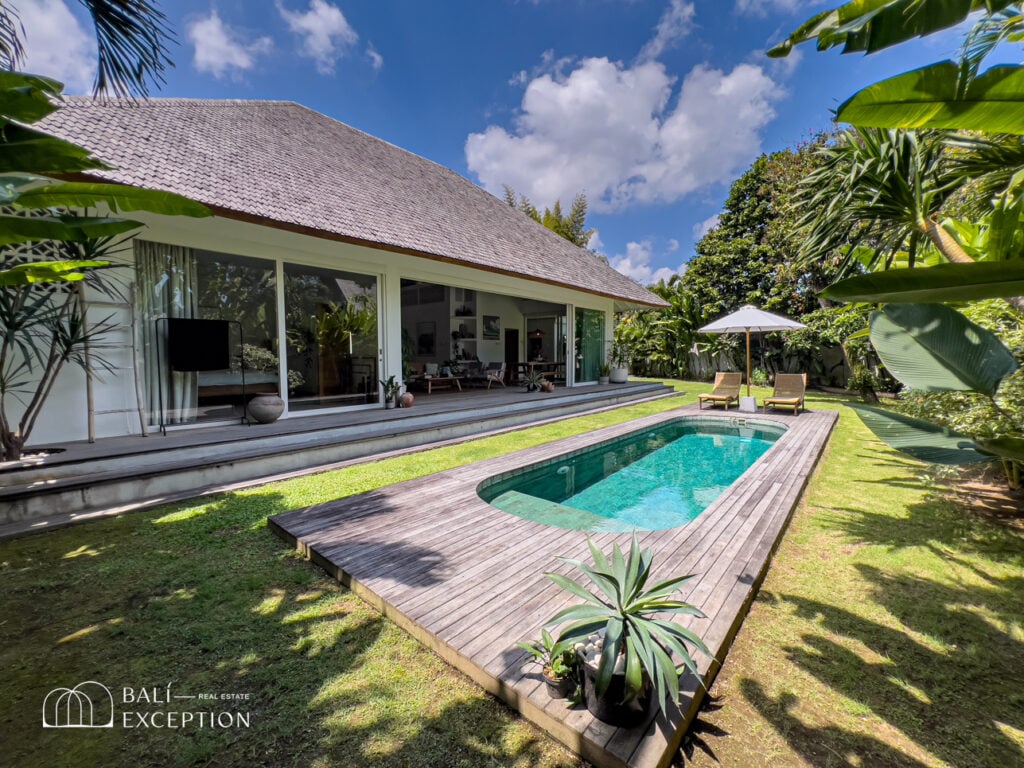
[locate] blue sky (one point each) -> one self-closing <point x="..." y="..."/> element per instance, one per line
<point x="649" y="106"/>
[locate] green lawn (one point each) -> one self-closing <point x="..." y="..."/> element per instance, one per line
<point x="889" y="632"/>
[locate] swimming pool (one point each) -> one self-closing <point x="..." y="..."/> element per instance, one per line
<point x="652" y="479"/>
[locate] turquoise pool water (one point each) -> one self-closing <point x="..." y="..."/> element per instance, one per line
<point x="650" y="480"/>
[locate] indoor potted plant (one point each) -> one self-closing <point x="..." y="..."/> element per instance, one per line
<point x="391" y="390"/>
<point x="603" y="371"/>
<point x="625" y="644"/>
<point x="558" y="663"/>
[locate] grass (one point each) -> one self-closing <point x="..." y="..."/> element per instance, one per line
<point x="202" y="594"/>
<point x="889" y="632"/>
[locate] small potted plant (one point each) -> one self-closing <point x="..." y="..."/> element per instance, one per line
<point x="603" y="372"/>
<point x="558" y="663"/>
<point x="391" y="390"/>
<point x="534" y="380"/>
<point x="624" y="641"/>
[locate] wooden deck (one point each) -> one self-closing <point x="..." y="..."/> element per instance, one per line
<point x="467" y="579"/>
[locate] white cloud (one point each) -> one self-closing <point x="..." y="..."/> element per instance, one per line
<point x="221" y="50"/>
<point x="594" y="243"/>
<point x="636" y="263"/>
<point x="763" y="7"/>
<point x="56" y="44"/>
<point x="325" y="32"/>
<point x="376" y="60"/>
<point x="701" y="228"/>
<point x="675" y="24"/>
<point x="608" y="130"/>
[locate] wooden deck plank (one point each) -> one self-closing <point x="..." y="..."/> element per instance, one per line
<point x="467" y="579"/>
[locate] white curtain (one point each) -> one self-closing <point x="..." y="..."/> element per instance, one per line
<point x="165" y="276"/>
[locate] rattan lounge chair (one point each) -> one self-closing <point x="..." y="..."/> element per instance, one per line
<point x="789" y="392"/>
<point x="726" y="390"/>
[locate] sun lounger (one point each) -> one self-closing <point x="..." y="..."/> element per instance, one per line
<point x="726" y="390"/>
<point x="790" y="389"/>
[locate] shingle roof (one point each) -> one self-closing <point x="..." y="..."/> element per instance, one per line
<point x="282" y="164"/>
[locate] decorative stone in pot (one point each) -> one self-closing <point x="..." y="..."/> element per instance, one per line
<point x="265" y="409"/>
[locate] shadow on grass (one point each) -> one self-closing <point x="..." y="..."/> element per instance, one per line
<point x="942" y="671"/>
<point x="463" y="734"/>
<point x="944" y="678"/>
<point x="829" y="745"/>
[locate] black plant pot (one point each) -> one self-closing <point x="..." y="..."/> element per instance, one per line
<point x="558" y="687"/>
<point x="610" y="708"/>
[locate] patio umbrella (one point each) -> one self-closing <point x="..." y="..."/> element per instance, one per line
<point x="750" y="318"/>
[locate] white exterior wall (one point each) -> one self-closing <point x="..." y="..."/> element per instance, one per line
<point x="64" y="416"/>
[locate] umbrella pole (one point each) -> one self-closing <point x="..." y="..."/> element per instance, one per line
<point x="748" y="363"/>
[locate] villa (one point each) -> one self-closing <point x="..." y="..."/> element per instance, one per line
<point x="333" y="260"/>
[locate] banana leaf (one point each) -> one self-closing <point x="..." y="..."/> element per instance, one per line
<point x="871" y="25"/>
<point x="921" y="439"/>
<point x="936" y="349"/>
<point x="1009" y="447"/>
<point x="19" y="229"/>
<point x="945" y="282"/>
<point x="928" y="98"/>
<point x="31" y="151"/>
<point x="48" y="272"/>
<point x="117" y="196"/>
<point x="27" y="98"/>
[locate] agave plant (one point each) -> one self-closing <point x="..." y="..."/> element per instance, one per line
<point x="633" y="618"/>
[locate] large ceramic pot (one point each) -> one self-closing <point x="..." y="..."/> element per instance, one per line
<point x="610" y="708"/>
<point x="619" y="375"/>
<point x="265" y="409"/>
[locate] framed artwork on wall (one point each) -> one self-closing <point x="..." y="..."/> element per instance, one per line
<point x="492" y="328"/>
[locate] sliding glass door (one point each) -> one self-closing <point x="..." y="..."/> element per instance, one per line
<point x="589" y="344"/>
<point x="180" y="288"/>
<point x="331" y="327"/>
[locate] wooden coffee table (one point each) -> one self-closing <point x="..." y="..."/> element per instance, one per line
<point x="442" y="382"/>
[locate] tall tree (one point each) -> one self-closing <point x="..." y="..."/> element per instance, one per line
<point x="572" y="226"/>
<point x="749" y="257"/>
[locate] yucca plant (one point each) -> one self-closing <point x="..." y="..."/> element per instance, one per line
<point x="634" y="621"/>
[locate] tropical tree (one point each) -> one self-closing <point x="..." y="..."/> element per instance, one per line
<point x="881" y="189"/>
<point x="927" y="345"/>
<point x="572" y="225"/>
<point x="749" y="257"/>
<point x="131" y="44"/>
